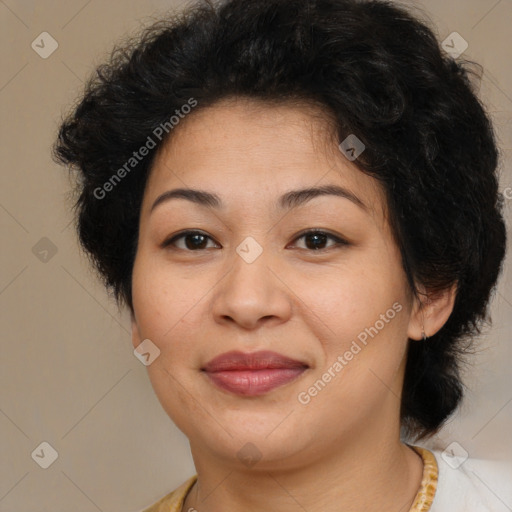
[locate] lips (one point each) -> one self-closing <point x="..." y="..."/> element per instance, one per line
<point x="252" y="374"/>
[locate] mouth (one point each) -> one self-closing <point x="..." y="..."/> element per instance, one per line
<point x="252" y="374"/>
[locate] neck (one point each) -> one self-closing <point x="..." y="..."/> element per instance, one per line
<point x="369" y="472"/>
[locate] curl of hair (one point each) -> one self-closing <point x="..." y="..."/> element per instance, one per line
<point x="380" y="74"/>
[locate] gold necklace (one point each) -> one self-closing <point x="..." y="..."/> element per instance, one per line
<point x="425" y="496"/>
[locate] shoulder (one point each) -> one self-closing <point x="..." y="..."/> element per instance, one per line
<point x="173" y="501"/>
<point x="472" y="485"/>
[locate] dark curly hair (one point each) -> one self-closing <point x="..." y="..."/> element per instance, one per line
<point x="380" y="73"/>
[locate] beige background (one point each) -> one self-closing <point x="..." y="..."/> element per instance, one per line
<point x="68" y="375"/>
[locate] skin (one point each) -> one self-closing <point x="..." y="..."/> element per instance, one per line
<point x="303" y="303"/>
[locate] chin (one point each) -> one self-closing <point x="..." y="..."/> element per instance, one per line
<point x="264" y="443"/>
<point x="262" y="454"/>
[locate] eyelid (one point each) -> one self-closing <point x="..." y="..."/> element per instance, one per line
<point x="339" y="241"/>
<point x="170" y="240"/>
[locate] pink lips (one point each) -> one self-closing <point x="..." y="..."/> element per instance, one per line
<point x="252" y="374"/>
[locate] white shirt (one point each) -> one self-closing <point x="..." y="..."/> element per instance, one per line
<point x="472" y="485"/>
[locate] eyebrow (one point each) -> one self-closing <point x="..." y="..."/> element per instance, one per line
<point x="289" y="200"/>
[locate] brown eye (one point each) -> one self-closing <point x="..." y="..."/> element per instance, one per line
<point x="193" y="241"/>
<point x="316" y="240"/>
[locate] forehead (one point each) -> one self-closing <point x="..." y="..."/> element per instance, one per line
<point x="242" y="147"/>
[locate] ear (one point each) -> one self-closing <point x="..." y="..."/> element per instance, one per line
<point x="430" y="312"/>
<point x="136" y="338"/>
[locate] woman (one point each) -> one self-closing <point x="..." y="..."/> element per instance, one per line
<point x="298" y="202"/>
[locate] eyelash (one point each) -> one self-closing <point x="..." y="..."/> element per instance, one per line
<point x="338" y="241"/>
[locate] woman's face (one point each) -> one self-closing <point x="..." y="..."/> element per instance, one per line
<point x="335" y="302"/>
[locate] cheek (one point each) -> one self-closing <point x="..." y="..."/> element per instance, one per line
<point x="360" y="320"/>
<point x="360" y="317"/>
<point x="353" y="299"/>
<point x="166" y="309"/>
<point x="164" y="300"/>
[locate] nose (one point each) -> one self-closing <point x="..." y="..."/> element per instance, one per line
<point x="252" y="294"/>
